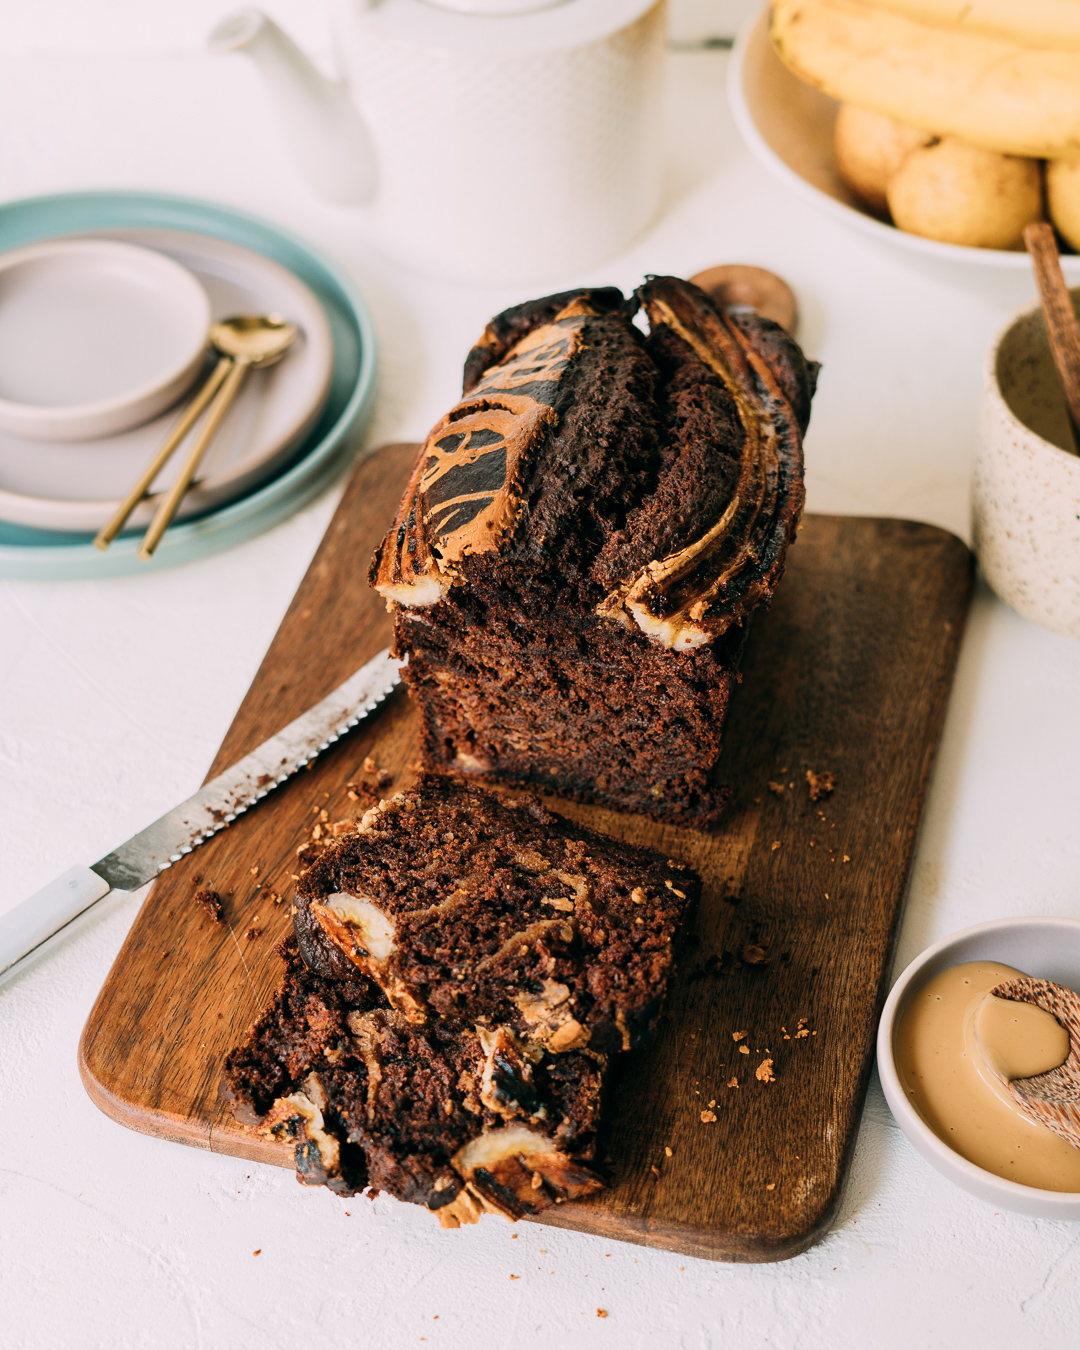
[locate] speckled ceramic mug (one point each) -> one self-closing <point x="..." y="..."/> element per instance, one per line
<point x="1026" y="506"/>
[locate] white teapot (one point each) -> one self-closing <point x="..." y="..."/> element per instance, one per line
<point x="486" y="140"/>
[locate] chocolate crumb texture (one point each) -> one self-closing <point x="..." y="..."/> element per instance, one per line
<point x="211" y="902"/>
<point x="822" y="784"/>
<point x="360" y="1092"/>
<point x="461" y="903"/>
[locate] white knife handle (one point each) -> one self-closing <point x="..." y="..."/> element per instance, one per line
<point x="26" y="928"/>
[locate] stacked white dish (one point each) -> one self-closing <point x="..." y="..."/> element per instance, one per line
<point x="76" y="482"/>
<point x="105" y="331"/>
<point x="95" y="336"/>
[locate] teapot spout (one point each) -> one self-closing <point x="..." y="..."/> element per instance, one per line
<point x="321" y="126"/>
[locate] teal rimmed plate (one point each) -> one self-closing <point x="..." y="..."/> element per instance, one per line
<point x="46" y="555"/>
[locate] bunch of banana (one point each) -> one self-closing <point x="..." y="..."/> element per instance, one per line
<point x="951" y="104"/>
<point x="1053" y="24"/>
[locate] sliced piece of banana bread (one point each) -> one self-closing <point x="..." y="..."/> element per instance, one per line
<point x="467" y="904"/>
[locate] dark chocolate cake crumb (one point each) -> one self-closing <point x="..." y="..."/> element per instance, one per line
<point x="822" y="784"/>
<point x="211" y="902"/>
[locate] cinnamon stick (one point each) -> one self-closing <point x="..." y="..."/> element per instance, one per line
<point x="1059" y="315"/>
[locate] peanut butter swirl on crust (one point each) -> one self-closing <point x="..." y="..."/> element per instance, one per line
<point x="465" y="494"/>
<point x="691" y="595"/>
<point x="657" y="480"/>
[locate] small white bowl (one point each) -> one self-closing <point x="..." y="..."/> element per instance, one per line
<point x="1044" y="948"/>
<point x="95" y="336"/>
<point x="788" y="126"/>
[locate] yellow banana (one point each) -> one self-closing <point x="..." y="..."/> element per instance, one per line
<point x="994" y="94"/>
<point x="1030" y="23"/>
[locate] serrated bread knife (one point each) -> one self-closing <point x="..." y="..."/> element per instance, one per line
<point x="32" y="926"/>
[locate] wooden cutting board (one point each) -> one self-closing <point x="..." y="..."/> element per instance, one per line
<point x="730" y="1149"/>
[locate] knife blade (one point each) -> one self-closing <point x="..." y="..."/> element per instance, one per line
<point x="32" y="926"/>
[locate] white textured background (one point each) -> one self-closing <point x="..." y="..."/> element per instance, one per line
<point x="114" y="696"/>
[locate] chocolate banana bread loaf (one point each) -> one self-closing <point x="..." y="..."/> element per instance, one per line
<point x="459" y="903"/>
<point x="457" y="1119"/>
<point x="586" y="534"/>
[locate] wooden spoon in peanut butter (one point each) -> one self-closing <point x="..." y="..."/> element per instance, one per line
<point x="756" y="287"/>
<point x="1051" y="1099"/>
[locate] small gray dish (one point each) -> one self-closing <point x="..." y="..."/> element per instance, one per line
<point x="1045" y="948"/>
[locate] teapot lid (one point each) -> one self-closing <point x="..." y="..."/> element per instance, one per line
<point x="479" y="27"/>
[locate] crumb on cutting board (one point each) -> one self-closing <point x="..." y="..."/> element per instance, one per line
<point x="822" y="784"/>
<point x="211" y="902"/>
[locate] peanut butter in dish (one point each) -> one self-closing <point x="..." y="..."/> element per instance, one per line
<point x="954" y="1045"/>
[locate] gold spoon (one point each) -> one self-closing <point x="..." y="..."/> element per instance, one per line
<point x="244" y="343"/>
<point x="1051" y="1099"/>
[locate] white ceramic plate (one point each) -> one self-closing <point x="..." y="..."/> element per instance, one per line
<point x="77" y="486"/>
<point x="789" y="128"/>
<point x="96" y="336"/>
<point x="1045" y="949"/>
